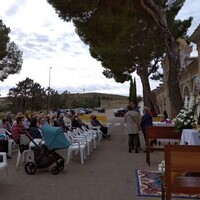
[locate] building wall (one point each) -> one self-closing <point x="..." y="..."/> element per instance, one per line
<point x="190" y="69"/>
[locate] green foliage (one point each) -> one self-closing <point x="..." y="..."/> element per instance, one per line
<point x="99" y="102"/>
<point x="4" y="39"/>
<point x="122" y="36"/>
<point x="133" y="92"/>
<point x="27" y="95"/>
<point x="4" y="105"/>
<point x="10" y="55"/>
<point x="55" y="100"/>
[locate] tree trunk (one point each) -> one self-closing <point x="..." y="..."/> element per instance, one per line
<point x="174" y="67"/>
<point x="148" y="98"/>
<point x="158" y="14"/>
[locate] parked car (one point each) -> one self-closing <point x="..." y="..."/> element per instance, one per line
<point x="101" y="110"/>
<point x="88" y="110"/>
<point x="120" y="112"/>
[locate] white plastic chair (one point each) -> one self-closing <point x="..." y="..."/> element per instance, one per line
<point x="75" y="146"/>
<point x="24" y="140"/>
<point x="22" y="156"/>
<point x="93" y="135"/>
<point x="98" y="130"/>
<point x="4" y="164"/>
<point x="79" y="133"/>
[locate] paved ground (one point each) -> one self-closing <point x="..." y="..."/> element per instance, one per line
<point x="108" y="174"/>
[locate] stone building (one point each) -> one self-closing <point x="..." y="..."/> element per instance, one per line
<point x="189" y="77"/>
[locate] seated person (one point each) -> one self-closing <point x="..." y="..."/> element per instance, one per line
<point x="60" y="122"/>
<point x="95" y="122"/>
<point x="17" y="128"/>
<point x="77" y="123"/>
<point x="34" y="130"/>
<point x="67" y="121"/>
<point x="6" y="124"/>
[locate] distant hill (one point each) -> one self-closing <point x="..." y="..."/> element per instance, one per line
<point x="109" y="101"/>
<point x="114" y="96"/>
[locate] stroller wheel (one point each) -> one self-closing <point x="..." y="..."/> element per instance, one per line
<point x="61" y="164"/>
<point x="55" y="170"/>
<point x="30" y="168"/>
<point x="61" y="167"/>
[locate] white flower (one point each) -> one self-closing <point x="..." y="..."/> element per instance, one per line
<point x="185" y="119"/>
<point x="161" y="167"/>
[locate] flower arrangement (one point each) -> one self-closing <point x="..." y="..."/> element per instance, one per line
<point x="185" y="119"/>
<point x="161" y="167"/>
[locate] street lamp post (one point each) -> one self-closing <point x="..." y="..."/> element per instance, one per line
<point x="48" y="109"/>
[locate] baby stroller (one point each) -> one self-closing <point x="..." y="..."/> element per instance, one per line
<point x="44" y="154"/>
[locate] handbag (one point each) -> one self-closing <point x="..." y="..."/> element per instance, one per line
<point x="138" y="125"/>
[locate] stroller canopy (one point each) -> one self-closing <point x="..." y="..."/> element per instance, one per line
<point x="54" y="137"/>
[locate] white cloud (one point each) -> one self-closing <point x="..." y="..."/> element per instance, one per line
<point x="47" y="41"/>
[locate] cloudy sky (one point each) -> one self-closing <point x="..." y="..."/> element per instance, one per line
<point x="48" y="42"/>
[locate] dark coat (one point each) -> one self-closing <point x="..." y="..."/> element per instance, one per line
<point x="146" y="121"/>
<point x="35" y="132"/>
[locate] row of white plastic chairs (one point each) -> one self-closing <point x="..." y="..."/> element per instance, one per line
<point x="83" y="141"/>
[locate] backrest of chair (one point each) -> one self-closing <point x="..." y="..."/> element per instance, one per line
<point x="4" y="158"/>
<point x="67" y="136"/>
<point x="180" y="159"/>
<point x="84" y="128"/>
<point x="162" y="132"/>
<point x="7" y="133"/>
<point x="79" y="130"/>
<point x="24" y="140"/>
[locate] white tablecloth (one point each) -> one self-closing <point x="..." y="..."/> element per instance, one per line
<point x="190" y="137"/>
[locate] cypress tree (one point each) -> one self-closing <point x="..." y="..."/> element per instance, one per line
<point x="131" y="90"/>
<point x="135" y="92"/>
